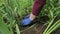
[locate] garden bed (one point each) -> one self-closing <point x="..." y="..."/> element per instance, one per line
<point x="38" y="27"/>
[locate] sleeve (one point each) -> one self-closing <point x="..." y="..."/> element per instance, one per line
<point x="38" y="5"/>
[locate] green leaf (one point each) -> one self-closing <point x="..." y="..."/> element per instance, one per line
<point x="17" y="29"/>
<point x="3" y="27"/>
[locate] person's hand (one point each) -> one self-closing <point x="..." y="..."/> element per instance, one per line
<point x="26" y="21"/>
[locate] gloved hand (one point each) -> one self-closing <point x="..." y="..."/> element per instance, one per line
<point x="26" y="21"/>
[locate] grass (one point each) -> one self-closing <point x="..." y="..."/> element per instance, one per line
<point x="10" y="12"/>
<point x="4" y="28"/>
<point x="13" y="11"/>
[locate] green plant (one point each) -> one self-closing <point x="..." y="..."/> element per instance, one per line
<point x="3" y="27"/>
<point x="13" y="11"/>
<point x="53" y="27"/>
<point x="52" y="14"/>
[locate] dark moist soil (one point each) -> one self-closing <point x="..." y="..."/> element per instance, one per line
<point x="37" y="29"/>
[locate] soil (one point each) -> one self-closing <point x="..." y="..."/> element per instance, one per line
<point x="37" y="29"/>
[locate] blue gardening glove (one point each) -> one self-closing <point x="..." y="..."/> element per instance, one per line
<point x="26" y="21"/>
<point x="27" y="16"/>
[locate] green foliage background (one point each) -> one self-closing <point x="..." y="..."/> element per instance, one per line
<point x="12" y="12"/>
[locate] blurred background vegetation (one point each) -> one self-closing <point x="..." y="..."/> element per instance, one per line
<point x="13" y="11"/>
